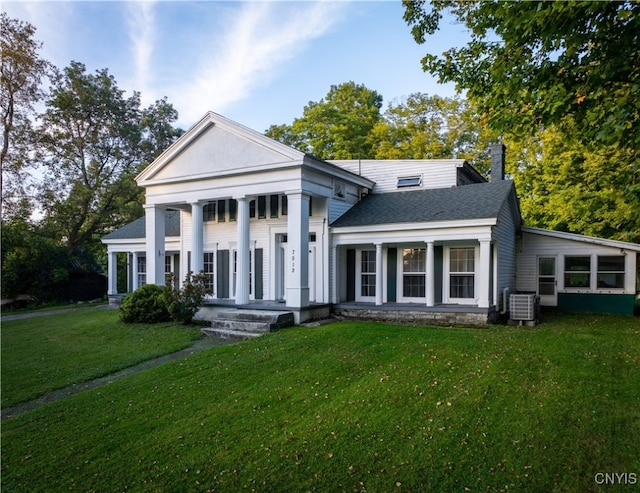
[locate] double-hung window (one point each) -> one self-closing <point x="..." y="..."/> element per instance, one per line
<point x="462" y="273"/>
<point x="208" y="266"/>
<point x="611" y="272"/>
<point x="414" y="265"/>
<point x="367" y="273"/>
<point x="577" y="272"/>
<point x="142" y="271"/>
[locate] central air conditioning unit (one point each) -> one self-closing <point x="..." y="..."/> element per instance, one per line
<point x="523" y="308"/>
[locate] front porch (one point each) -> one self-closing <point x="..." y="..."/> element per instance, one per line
<point x="416" y="313"/>
<point x="213" y="307"/>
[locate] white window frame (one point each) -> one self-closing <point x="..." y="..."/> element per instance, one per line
<point x="211" y="274"/>
<point x="360" y="273"/>
<point x="141" y="270"/>
<point x="400" y="276"/>
<point x="610" y="272"/>
<point x="446" y="289"/>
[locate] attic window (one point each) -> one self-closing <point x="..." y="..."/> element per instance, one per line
<point x="409" y="181"/>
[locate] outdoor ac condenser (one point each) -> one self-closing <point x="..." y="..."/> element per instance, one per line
<point x="523" y="308"/>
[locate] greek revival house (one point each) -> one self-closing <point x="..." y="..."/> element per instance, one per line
<point x="423" y="239"/>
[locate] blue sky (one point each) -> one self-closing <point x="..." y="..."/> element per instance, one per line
<point x="258" y="63"/>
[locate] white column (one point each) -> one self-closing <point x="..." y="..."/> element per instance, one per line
<point x="197" y="254"/>
<point x="484" y="274"/>
<point x="134" y="272"/>
<point x="297" y="261"/>
<point x="334" y="273"/>
<point x="431" y="274"/>
<point x="155" y="233"/>
<point x="112" y="269"/>
<point x="242" y="269"/>
<point x="379" y="273"/>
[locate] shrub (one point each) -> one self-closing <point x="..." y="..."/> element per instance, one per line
<point x="146" y="304"/>
<point x="184" y="303"/>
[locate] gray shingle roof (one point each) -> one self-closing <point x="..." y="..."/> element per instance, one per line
<point x="137" y="228"/>
<point x="476" y="201"/>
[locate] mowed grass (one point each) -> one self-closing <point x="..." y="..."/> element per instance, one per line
<point x="353" y="407"/>
<point x="45" y="353"/>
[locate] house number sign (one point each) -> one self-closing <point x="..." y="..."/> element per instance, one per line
<point x="293" y="261"/>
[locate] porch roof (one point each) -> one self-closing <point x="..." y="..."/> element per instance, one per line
<point x="137" y="229"/>
<point x="475" y="201"/>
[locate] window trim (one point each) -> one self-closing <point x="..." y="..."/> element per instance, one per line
<point x="360" y="273"/>
<point x="566" y="272"/>
<point x="609" y="272"/>
<point x="409" y="181"/>
<point x="400" y="295"/>
<point x="447" y="273"/>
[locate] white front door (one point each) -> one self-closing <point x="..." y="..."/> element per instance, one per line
<point x="547" y="282"/>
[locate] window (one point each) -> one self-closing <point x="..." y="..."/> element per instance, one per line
<point x="273" y="206"/>
<point x="142" y="271"/>
<point x="221" y="210"/>
<point x="577" y="272"/>
<point x="262" y="207"/>
<point x="285" y="205"/>
<point x="208" y="266"/>
<point x="611" y="272"/>
<point x="167" y="268"/>
<point x="209" y="212"/>
<point x="462" y="272"/>
<point x="233" y="207"/>
<point x="547" y="276"/>
<point x="252" y="208"/>
<point x="414" y="262"/>
<point x="368" y="273"/>
<point x="409" y="181"/>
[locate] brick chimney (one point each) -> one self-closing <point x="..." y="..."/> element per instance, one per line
<point x="498" y="152"/>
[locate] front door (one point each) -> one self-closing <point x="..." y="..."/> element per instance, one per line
<point x="547" y="283"/>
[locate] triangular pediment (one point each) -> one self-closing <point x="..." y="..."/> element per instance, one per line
<point x="216" y="146"/>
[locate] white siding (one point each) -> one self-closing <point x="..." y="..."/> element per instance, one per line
<point x="385" y="173"/>
<point x="532" y="245"/>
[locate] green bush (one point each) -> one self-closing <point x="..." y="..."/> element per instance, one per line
<point x="185" y="302"/>
<point x="146" y="304"/>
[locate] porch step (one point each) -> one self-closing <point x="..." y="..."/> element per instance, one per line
<point x="244" y="324"/>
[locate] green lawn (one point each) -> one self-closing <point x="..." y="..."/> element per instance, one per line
<point x="49" y="352"/>
<point x="354" y="407"/>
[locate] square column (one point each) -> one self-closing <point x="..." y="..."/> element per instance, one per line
<point x="197" y="238"/>
<point x="431" y="274"/>
<point x="242" y="267"/>
<point x="297" y="261"/>
<point x="484" y="274"/>
<point x="155" y="233"/>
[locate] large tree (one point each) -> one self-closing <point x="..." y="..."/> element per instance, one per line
<point x="93" y="141"/>
<point x="530" y="64"/>
<point x="22" y="71"/>
<point x="561" y="82"/>
<point x="432" y="127"/>
<point x="336" y="127"/>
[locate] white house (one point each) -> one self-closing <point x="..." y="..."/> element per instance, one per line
<point x="423" y="239"/>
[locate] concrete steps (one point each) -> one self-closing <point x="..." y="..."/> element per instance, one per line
<point x="245" y="324"/>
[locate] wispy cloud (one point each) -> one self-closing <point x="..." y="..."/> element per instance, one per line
<point x="140" y="23"/>
<point x="260" y="39"/>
